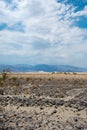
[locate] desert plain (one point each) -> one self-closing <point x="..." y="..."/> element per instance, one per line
<point x="43" y="101"/>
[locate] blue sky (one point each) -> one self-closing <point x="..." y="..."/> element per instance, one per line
<point x="43" y="32"/>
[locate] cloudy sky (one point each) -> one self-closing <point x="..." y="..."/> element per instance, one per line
<point x="43" y="32"/>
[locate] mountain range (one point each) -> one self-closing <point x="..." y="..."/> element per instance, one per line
<point x="42" y="67"/>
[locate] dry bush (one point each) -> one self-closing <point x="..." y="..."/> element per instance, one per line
<point x="2" y="109"/>
<point x="28" y="79"/>
<point x="26" y="91"/>
<point x="34" y="86"/>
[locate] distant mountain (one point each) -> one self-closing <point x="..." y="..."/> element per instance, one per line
<point x="42" y="67"/>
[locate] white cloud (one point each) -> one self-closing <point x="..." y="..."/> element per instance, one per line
<point x="49" y="34"/>
<point x="80" y="13"/>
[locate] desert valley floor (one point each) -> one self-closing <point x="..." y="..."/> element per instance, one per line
<point x="43" y="101"/>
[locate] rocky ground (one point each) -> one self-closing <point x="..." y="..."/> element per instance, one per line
<point x="44" y="102"/>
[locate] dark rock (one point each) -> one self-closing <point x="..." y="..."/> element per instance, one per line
<point x="75" y="119"/>
<point x="1" y="92"/>
<point x="54" y="111"/>
<point x="60" y="103"/>
<point x="41" y="108"/>
<point x="80" y="128"/>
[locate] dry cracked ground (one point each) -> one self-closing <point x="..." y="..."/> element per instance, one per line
<point x="43" y="101"/>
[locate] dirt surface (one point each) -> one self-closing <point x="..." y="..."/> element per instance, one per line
<point x="44" y="101"/>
